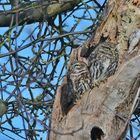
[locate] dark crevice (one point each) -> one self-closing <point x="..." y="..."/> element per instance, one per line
<point x="96" y="133"/>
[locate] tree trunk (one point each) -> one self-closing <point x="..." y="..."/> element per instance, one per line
<point x="104" y="112"/>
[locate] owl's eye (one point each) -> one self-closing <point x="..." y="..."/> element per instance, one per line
<point x="77" y="66"/>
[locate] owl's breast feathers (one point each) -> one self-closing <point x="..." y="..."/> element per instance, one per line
<point x="103" y="61"/>
<point x="80" y="77"/>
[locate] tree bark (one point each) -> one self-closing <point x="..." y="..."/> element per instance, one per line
<point x="104" y="112"/>
<point x="35" y="12"/>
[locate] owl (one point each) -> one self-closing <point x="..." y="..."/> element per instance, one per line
<point x="102" y="62"/>
<point x="80" y="77"/>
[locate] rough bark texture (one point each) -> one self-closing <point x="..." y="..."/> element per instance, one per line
<point x="106" y="110"/>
